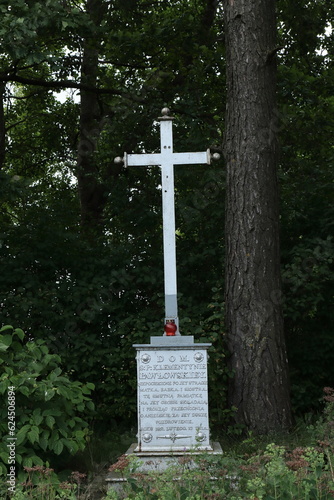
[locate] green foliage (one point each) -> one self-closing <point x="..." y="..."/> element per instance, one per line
<point x="48" y="411"/>
<point x="90" y="300"/>
<point x="109" y="282"/>
<point x="299" y="467"/>
<point x="325" y="428"/>
<point x="308" y="278"/>
<point x="252" y="470"/>
<point x="275" y="473"/>
<point x="305" y="126"/>
<point x="42" y="483"/>
<point x="33" y="32"/>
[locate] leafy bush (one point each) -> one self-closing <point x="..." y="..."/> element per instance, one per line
<point x="254" y="471"/>
<point x="43" y="484"/>
<point x="47" y="406"/>
<point x="273" y="474"/>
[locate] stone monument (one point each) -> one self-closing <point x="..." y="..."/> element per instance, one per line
<point x="173" y="415"/>
<point x="172" y="395"/>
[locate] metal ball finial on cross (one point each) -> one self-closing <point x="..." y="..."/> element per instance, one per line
<point x="165" y="115"/>
<point x="118" y="160"/>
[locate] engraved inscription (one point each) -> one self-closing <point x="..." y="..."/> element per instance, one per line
<point x="173" y="399"/>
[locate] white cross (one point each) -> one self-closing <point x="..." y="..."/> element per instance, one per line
<point x="167" y="159"/>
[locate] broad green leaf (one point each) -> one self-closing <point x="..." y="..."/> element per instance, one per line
<point x="5" y="342"/>
<point x="50" y="421"/>
<point x="86" y="390"/>
<point x="19" y="333"/>
<point x="64" y="431"/>
<point x="4" y="457"/>
<point x="37" y="460"/>
<point x="37" y="417"/>
<point x="63" y="391"/>
<point x="45" y="436"/>
<point x="3" y="386"/>
<point x="53" y="438"/>
<point x="54" y="374"/>
<point x="27" y="462"/>
<point x="49" y="394"/>
<point x="80" y="434"/>
<point x="6" y="327"/>
<point x="33" y="434"/>
<point x="58" y="447"/>
<point x="22" y="433"/>
<point x="24" y="390"/>
<point x="43" y="443"/>
<point x="90" y="405"/>
<point x="52" y="411"/>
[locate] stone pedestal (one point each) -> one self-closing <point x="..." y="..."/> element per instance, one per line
<point x="172" y="395"/>
<point x="159" y="461"/>
<point x="173" y="415"/>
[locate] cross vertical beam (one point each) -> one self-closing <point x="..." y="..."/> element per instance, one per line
<point x="168" y="211"/>
<point x="166" y="159"/>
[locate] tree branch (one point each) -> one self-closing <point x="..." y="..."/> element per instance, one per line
<point x="209" y="13"/>
<point x="61" y="84"/>
<point x="15" y="125"/>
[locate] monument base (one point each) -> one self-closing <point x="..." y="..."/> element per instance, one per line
<point x="172" y="405"/>
<point x="158" y="462"/>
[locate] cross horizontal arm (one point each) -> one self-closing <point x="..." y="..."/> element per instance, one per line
<point x="191" y="158"/>
<point x="142" y="160"/>
<point x="145" y="159"/>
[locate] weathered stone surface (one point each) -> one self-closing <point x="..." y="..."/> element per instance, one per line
<point x="172" y="395"/>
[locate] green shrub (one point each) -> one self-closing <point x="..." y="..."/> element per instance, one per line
<point x="47" y="407"/>
<point x="275" y="473"/>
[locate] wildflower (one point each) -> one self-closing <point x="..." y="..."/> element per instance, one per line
<point x="324" y="444"/>
<point x="27" y="484"/>
<point x="121" y="464"/>
<point x="184" y="460"/>
<point x="78" y="476"/>
<point x="296" y="459"/>
<point x="65" y="486"/>
<point x="46" y="471"/>
<point x="329" y="394"/>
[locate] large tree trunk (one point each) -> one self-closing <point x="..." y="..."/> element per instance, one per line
<point x="2" y="127"/>
<point x="259" y="388"/>
<point x="91" y="189"/>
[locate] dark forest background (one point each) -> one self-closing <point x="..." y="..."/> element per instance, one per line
<point x="81" y="237"/>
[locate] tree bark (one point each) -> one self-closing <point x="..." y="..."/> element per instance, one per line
<point x="259" y="389"/>
<point x="2" y="127"/>
<point x="91" y="189"/>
